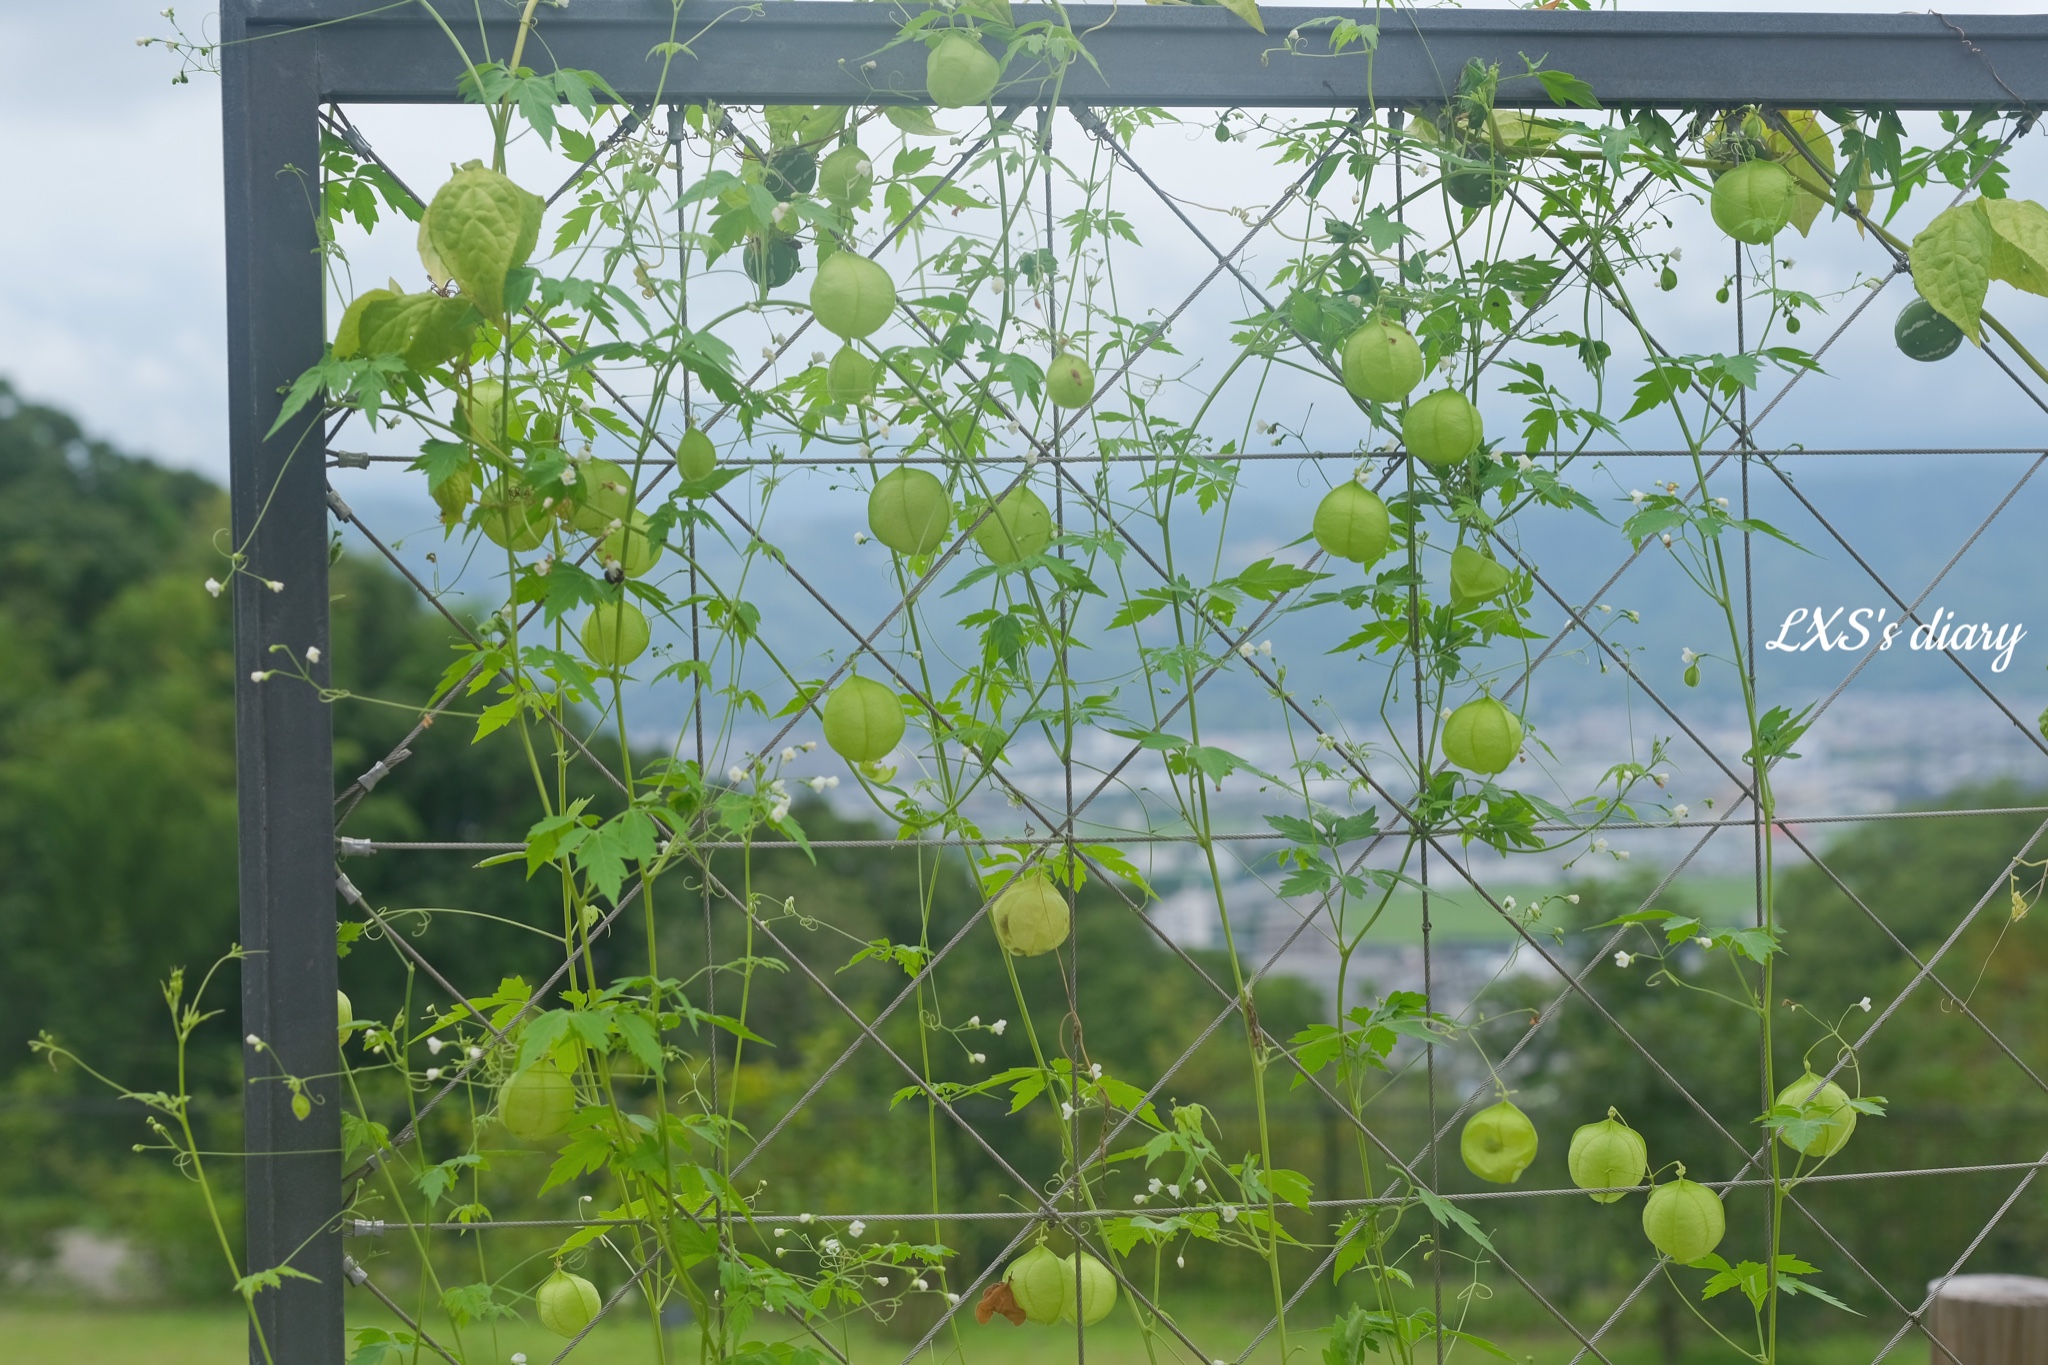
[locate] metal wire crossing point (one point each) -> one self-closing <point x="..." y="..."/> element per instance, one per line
<point x="1057" y="779"/>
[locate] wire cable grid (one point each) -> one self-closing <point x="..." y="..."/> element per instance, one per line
<point x="1075" y="826"/>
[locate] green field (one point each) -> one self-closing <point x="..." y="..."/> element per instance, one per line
<point x="1458" y="913"/>
<point x="105" y="1336"/>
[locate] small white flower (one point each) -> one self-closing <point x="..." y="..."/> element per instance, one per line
<point x="860" y="537"/>
<point x="1686" y="656"/>
<point x="952" y="1298"/>
<point x="312" y="654"/>
<point x="433" y="1073"/>
<point x="735" y="774"/>
<point x="257" y="676"/>
<point x="831" y="782"/>
<point x="1680" y="811"/>
<point x="1623" y="959"/>
<point x="1666" y="538"/>
<point x="780" y="812"/>
<point x="1621" y="855"/>
<point x="882" y="1280"/>
<point x="476" y="1054"/>
<point x="1636" y="496"/>
<point x="1140" y="1198"/>
<point x="1573" y="898"/>
<point x="213" y="587"/>
<point x="1864" y="1004"/>
<point x="253" y="1041"/>
<point x="1156" y="1186"/>
<point x="1266" y="648"/>
<point x="782" y="1251"/>
<point x="1605" y="608"/>
<point x="1229" y="1214"/>
<point x="1524" y="463"/>
<point x="1173" y="1190"/>
<point x="767" y="353"/>
<point x="831" y="1246"/>
<point x="919" y="1283"/>
<point x="519" y="1358"/>
<point x="1066" y="1110"/>
<point x="274" y="585"/>
<point x="808" y="745"/>
<point x="1721" y="503"/>
<point x="789" y="755"/>
<point x="1201" y="1187"/>
<point x="817" y="357"/>
<point x="1095" y="1070"/>
<point x="816" y="784"/>
<point x="979" y="1058"/>
<point x="856" y="1228"/>
<point x="803" y="1218"/>
<point x="1246" y="650"/>
<point x="863" y="167"/>
<point x="974" y="1021"/>
<point x="1599" y="845"/>
<point x="998" y="1026"/>
<point x="1181" y="1261"/>
<point x="782" y="1232"/>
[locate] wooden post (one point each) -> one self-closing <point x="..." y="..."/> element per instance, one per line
<point x="1989" y="1320"/>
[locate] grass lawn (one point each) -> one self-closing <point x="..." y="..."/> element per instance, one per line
<point x="38" y="1335"/>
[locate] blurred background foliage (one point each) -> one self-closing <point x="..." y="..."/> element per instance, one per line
<point x="117" y="821"/>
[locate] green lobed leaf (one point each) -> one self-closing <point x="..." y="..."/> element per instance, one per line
<point x="1952" y="260"/>
<point x="2019" y="255"/>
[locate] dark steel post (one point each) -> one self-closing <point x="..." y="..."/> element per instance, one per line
<point x="283" y="734"/>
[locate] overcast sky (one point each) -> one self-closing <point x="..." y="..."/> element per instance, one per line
<point x="111" y="291"/>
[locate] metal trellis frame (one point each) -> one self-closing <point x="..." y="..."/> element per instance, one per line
<point x="285" y="61"/>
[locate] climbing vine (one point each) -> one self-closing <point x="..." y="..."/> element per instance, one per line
<point x="1047" y="483"/>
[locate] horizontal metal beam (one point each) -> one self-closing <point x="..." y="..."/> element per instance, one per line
<point x="832" y="51"/>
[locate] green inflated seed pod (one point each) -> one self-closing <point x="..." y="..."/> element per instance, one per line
<point x="960" y="72"/>
<point x="566" y="1304"/>
<point x="1352" y="523"/>
<point x="1483" y="736"/>
<point x="696" y="457"/>
<point x="1821" y="1102"/>
<point x="1019" y="527"/>
<point x="1035" y="1281"/>
<point x="632" y="547"/>
<point x="1442" y="428"/>
<point x="537" y="1101"/>
<point x="1498" y="1143"/>
<point x="846" y="175"/>
<point x="1031" y="916"/>
<point x="614" y="634"/>
<point x="510" y="515"/>
<point x="1684" y="1220"/>
<point x="1069" y="381"/>
<point x="1475" y="578"/>
<point x="863" y="720"/>
<point x="1087" y="1289"/>
<point x="850" y="378"/>
<point x="852" y="296"/>
<point x="909" y="512"/>
<point x="1753" y="202"/>
<point x="1382" y="363"/>
<point x="1608" y="1156"/>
